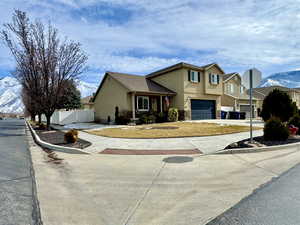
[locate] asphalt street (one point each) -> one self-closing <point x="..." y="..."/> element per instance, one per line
<point x="16" y="187"/>
<point x="276" y="203"/>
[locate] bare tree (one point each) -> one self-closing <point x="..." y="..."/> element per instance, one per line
<point x="44" y="63"/>
<point x="30" y="105"/>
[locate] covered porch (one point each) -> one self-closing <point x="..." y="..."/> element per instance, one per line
<point x="142" y="103"/>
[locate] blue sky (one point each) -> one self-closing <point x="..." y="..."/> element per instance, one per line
<point x="142" y="36"/>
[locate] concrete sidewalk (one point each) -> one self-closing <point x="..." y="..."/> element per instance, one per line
<point x="154" y="190"/>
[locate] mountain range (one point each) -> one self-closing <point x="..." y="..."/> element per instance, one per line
<point x="10" y="94"/>
<point x="290" y="79"/>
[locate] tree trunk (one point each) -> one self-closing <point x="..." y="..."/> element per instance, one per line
<point x="48" y="118"/>
<point x="40" y="118"/>
<point x="32" y="117"/>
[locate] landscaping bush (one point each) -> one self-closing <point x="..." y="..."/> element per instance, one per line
<point x="71" y="136"/>
<point x="278" y="104"/>
<point x="147" y="118"/>
<point x="173" y="115"/>
<point x="295" y="120"/>
<point x="122" y="120"/>
<point x="275" y="130"/>
<point x="161" y="117"/>
<point x="181" y="115"/>
<point x="42" y="126"/>
<point x="74" y="132"/>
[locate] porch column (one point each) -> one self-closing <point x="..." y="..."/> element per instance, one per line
<point x="161" y="108"/>
<point x="133" y="105"/>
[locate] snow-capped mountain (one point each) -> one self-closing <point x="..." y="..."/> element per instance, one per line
<point x="289" y="79"/>
<point x="10" y="94"/>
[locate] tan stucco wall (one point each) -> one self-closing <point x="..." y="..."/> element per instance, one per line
<point x="227" y="101"/>
<point x="178" y="81"/>
<point x="236" y="82"/>
<point x="174" y="81"/>
<point x="112" y="94"/>
<point x="197" y="91"/>
<point x="213" y="89"/>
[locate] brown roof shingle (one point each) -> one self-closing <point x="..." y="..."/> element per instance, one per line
<point x="136" y="83"/>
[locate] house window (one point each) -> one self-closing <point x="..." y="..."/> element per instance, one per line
<point x="214" y="78"/>
<point x="194" y="76"/>
<point x="231" y="86"/>
<point x="242" y="90"/>
<point x="143" y="103"/>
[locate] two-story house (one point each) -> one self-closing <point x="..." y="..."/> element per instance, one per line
<point x="235" y="97"/>
<point x="194" y="90"/>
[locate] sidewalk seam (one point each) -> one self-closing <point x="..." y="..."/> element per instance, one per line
<point x="144" y="195"/>
<point x="254" y="164"/>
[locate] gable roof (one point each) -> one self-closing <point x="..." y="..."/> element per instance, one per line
<point x="136" y="83"/>
<point x="228" y="76"/>
<point x="183" y="65"/>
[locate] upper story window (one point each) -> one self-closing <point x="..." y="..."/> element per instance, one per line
<point x="242" y="90"/>
<point x="194" y="76"/>
<point x="214" y="78"/>
<point x="143" y="103"/>
<point x="231" y="88"/>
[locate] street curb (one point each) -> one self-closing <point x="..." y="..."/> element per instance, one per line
<point x="36" y="212"/>
<point x="54" y="147"/>
<point x="257" y="149"/>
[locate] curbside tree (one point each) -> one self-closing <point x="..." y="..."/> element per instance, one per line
<point x="44" y="63"/>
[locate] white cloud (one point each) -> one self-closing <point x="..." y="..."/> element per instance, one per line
<point x="239" y="33"/>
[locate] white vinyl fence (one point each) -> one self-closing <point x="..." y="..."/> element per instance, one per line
<point x="72" y="116"/>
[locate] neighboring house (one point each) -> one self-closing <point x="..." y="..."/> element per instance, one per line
<point x="261" y="93"/>
<point x="235" y="97"/>
<point x="256" y="78"/>
<point x="194" y="90"/>
<point x="87" y="102"/>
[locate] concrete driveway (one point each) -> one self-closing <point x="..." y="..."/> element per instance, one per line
<point x="150" y="190"/>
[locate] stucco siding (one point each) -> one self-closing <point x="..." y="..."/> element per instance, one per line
<point x="227" y="101"/>
<point x="174" y="81"/>
<point x="213" y="89"/>
<point x="234" y="83"/>
<point x="112" y="94"/>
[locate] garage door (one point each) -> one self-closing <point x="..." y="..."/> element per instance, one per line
<point x="246" y="109"/>
<point x="203" y="109"/>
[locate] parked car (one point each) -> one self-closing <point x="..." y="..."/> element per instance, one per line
<point x="1" y="118"/>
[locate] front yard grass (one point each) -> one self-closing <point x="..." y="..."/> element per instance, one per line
<point x="171" y="130"/>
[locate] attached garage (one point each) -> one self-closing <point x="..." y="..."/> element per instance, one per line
<point x="203" y="109"/>
<point x="246" y="109"/>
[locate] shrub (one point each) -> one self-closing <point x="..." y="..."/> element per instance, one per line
<point x="71" y="136"/>
<point x="74" y="132"/>
<point x="173" y="115"/>
<point x="278" y="104"/>
<point x="295" y="120"/>
<point x="122" y="120"/>
<point x="116" y="113"/>
<point x="161" y="117"/>
<point x="42" y="126"/>
<point x="275" y="130"/>
<point x="147" y="118"/>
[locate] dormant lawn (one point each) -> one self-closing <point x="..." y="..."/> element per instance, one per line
<point x="171" y="130"/>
